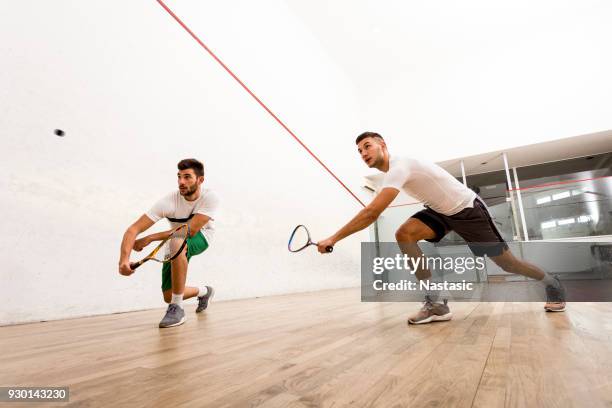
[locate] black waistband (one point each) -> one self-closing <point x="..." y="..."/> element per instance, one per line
<point x="183" y="220"/>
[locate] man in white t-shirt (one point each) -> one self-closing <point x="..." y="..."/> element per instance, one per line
<point x="449" y="206"/>
<point x="191" y="204"/>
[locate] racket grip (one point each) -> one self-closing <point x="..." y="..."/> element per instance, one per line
<point x="134" y="265"/>
<point x="329" y="249"/>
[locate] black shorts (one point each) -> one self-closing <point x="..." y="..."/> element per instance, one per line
<point x="474" y="224"/>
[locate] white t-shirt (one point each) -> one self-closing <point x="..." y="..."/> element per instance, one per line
<point x="429" y="183"/>
<point x="178" y="210"/>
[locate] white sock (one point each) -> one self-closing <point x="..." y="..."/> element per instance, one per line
<point x="549" y="280"/>
<point x="202" y="291"/>
<point x="177" y="299"/>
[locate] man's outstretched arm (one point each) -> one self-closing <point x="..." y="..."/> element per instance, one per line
<point x="364" y="218"/>
<point x="142" y="224"/>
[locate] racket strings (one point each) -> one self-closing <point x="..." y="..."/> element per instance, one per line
<point x="300" y="239"/>
<point x="172" y="245"/>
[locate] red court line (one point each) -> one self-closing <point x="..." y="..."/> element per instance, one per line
<point x="404" y="204"/>
<point x="558" y="183"/>
<point x="212" y="54"/>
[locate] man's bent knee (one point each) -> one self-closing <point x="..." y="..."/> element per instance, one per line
<point x="408" y="233"/>
<point x="403" y="235"/>
<point x="413" y="231"/>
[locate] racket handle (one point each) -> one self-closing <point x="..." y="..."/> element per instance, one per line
<point x="329" y="249"/>
<point x="134" y="265"/>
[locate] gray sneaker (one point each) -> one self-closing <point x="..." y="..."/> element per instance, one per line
<point x="431" y="312"/>
<point x="203" y="300"/>
<point x="175" y="316"/>
<point x="555" y="297"/>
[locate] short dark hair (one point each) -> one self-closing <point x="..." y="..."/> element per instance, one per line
<point x="196" y="165"/>
<point x="367" y="134"/>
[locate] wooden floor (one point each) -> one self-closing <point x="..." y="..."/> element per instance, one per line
<point x="321" y="349"/>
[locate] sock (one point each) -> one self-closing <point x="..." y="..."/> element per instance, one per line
<point x="549" y="280"/>
<point x="202" y="291"/>
<point x="431" y="295"/>
<point x="177" y="299"/>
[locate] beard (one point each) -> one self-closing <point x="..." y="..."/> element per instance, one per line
<point x="377" y="162"/>
<point x="188" y="190"/>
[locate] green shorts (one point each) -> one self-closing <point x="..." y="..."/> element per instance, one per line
<point x="195" y="246"/>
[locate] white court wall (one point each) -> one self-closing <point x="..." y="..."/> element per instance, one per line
<point x="485" y="76"/>
<point x="135" y="94"/>
<point x="448" y="79"/>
